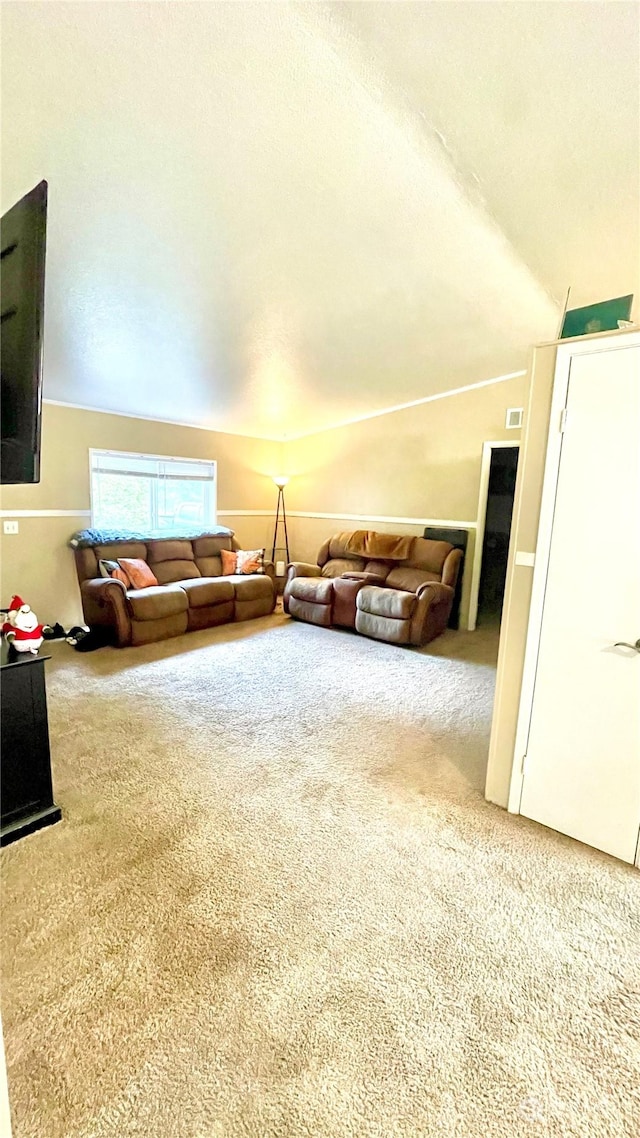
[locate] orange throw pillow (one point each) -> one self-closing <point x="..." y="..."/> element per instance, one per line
<point x="138" y="572"/>
<point x="229" y="562"/>
<point x="120" y="575"/>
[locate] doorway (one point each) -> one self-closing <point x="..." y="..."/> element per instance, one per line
<point x="495" y="509"/>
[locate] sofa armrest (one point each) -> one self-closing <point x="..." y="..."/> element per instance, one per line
<point x="104" y="603"/>
<point x="101" y="588"/>
<point x="430" y="616"/>
<point x="297" y="569"/>
<point x="302" y="569"/>
<point x="451" y="568"/>
<point x="434" y="591"/>
<point x="270" y="569"/>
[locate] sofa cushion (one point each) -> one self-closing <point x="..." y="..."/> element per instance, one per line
<point x="337" y="545"/>
<point x="392" y="603"/>
<point x="339" y="565"/>
<point x="156" y="602"/>
<point x="116" y="549"/>
<point x="211" y="546"/>
<point x="172" y="561"/>
<point x="210" y="566"/>
<point x="317" y="590"/>
<point x="169" y="572"/>
<point x="170" y="549"/>
<point x="207" y="552"/>
<point x="380" y="568"/>
<point x="427" y="554"/>
<point x="410" y="579"/>
<point x="251" y="587"/>
<point x="203" y="591"/>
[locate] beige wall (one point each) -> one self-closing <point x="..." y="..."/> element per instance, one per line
<point x="419" y="464"/>
<point x="37" y="562"/>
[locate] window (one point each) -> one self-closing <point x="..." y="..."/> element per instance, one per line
<point x="150" y="492"/>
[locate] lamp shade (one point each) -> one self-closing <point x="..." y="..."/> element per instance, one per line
<point x="280" y="480"/>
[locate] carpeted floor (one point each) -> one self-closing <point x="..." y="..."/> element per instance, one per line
<point x="279" y="907"/>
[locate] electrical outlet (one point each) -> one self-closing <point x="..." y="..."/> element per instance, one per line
<point x="11" y="527"/>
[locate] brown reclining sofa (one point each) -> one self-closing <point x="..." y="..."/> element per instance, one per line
<point x="398" y="589"/>
<point x="191" y="592"/>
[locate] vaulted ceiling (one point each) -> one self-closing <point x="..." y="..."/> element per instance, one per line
<point x="273" y="217"/>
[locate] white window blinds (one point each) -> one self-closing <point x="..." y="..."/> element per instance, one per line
<point x="151" y="492"/>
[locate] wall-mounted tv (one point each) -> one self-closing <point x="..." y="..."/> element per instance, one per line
<point x="23" y="238"/>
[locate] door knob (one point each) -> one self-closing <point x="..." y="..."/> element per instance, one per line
<point x="623" y="644"/>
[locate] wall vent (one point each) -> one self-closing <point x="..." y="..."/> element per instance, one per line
<point x="514" y="418"/>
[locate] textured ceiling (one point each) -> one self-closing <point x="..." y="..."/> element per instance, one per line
<point x="269" y="218"/>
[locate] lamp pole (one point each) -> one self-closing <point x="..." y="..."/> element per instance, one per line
<point x="280" y="482"/>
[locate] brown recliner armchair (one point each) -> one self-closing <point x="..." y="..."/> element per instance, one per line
<point x="393" y="588"/>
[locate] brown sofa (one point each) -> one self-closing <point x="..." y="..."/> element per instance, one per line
<point x="192" y="591"/>
<point x="393" y="588"/>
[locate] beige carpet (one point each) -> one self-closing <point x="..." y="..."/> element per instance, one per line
<point x="279" y="906"/>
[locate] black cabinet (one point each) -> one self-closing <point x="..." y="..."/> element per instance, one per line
<point x="26" y="792"/>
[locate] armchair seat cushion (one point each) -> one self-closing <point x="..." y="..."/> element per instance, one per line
<point x="391" y="603"/>
<point x="203" y="591"/>
<point x="157" y="602"/>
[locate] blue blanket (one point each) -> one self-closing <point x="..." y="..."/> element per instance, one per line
<point x="85" y="538"/>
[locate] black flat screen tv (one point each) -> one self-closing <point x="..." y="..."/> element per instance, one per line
<point x="23" y="238"/>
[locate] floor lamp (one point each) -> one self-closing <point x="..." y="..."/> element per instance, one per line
<point x="280" y="481"/>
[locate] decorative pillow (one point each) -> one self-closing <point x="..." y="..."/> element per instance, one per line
<point x="138" y="572"/>
<point x="229" y="562"/>
<point x="250" y="561"/>
<point x="244" y="561"/>
<point x="112" y="569"/>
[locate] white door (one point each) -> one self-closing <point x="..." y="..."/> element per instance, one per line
<point x="582" y="766"/>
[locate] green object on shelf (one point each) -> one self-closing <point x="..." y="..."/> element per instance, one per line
<point x="601" y="317"/>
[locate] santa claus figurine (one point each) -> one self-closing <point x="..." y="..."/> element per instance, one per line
<point x="21" y="628"/>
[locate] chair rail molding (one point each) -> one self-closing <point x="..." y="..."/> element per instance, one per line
<point x="387" y="518"/>
<point x="45" y="513"/>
